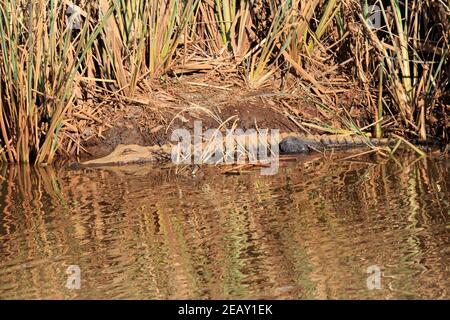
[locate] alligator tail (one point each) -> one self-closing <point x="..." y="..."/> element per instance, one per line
<point x="341" y="141"/>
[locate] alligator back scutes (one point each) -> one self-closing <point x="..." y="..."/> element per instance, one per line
<point x="339" y="140"/>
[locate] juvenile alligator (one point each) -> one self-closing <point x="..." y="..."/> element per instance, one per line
<point x="291" y="143"/>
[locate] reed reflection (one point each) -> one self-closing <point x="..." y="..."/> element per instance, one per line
<point x="309" y="232"/>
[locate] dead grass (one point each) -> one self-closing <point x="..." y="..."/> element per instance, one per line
<point x="57" y="83"/>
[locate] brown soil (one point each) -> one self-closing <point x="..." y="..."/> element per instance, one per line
<point x="150" y="118"/>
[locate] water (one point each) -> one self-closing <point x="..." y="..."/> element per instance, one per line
<point x="310" y="232"/>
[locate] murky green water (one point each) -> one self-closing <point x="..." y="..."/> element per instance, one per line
<point x="309" y="232"/>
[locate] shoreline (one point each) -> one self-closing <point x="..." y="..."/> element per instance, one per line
<point x="150" y="117"/>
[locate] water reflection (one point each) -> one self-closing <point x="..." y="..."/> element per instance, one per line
<point x="309" y="232"/>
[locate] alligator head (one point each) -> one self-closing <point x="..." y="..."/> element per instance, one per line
<point x="125" y="154"/>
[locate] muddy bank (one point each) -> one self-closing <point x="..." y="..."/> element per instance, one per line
<point x="135" y="131"/>
<point x="150" y="118"/>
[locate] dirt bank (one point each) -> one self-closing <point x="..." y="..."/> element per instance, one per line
<point x="150" y="117"/>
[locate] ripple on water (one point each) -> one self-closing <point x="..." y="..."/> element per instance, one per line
<point x="311" y="231"/>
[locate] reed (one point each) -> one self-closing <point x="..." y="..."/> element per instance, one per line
<point x="41" y="59"/>
<point x="48" y="68"/>
<point x="411" y="47"/>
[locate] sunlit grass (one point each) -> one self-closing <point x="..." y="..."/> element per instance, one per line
<point x="45" y="66"/>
